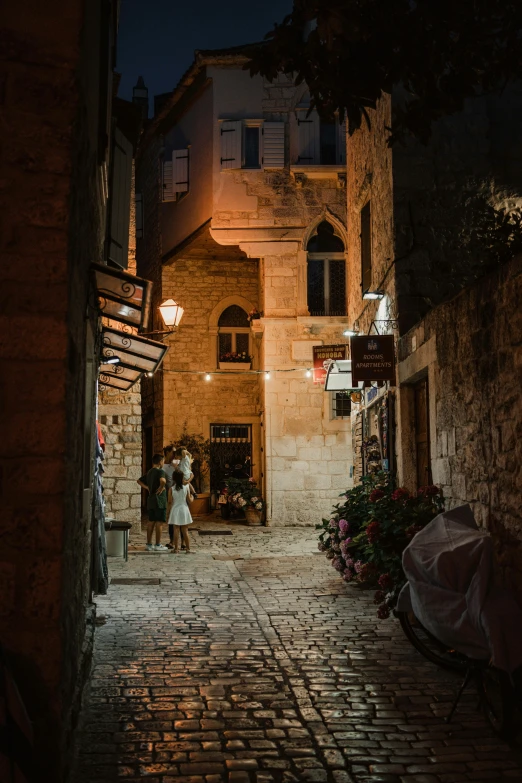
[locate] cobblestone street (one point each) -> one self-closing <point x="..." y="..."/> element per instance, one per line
<point x="252" y="661"/>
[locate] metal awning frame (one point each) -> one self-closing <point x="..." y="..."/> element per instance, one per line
<point x="127" y="284"/>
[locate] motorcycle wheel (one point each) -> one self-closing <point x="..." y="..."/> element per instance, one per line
<point x="430" y="647"/>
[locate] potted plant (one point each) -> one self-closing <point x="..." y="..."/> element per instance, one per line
<point x="234" y="361"/>
<point x="199" y="447"/>
<point x="254" y="315"/>
<point x="244" y="494"/>
<point x="365" y="536"/>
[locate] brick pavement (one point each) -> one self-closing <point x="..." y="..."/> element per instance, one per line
<point x="266" y="667"/>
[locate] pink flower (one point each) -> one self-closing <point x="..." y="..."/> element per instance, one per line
<point x="338" y="564"/>
<point x="400" y="494"/>
<point x="379" y="597"/>
<point x="321" y="547"/>
<point x="383" y="612"/>
<point x="358" y="566"/>
<point x="344" y="526"/>
<point x="385" y="581"/>
<point x="334" y="523"/>
<point x="373" y="531"/>
<point x="348" y="575"/>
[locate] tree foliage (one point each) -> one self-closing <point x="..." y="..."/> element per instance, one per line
<point x="440" y="52"/>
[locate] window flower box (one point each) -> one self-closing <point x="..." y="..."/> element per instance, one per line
<point x="234" y="365"/>
<point x="234" y="361"/>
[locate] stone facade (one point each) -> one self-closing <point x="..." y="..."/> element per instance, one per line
<point x="53" y="212"/>
<point x="120" y="419"/>
<point x="471" y="349"/>
<point x="424" y="201"/>
<point x="304" y="456"/>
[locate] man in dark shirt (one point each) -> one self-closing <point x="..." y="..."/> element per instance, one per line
<point x="155" y="482"/>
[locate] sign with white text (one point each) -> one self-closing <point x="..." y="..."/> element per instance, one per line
<point x="373" y="357"/>
<point x="324" y="355"/>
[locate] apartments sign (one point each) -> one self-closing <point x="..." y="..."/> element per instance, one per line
<point x="373" y="358"/>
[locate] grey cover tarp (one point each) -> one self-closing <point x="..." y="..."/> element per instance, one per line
<point x="449" y="567"/>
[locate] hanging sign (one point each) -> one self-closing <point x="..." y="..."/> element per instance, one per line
<point x="324" y="355"/>
<point x="373" y="357"/>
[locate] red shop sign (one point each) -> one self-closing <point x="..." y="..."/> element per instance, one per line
<point x="324" y="355"/>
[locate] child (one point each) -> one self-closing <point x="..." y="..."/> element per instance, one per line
<point x="179" y="516"/>
<point x="184" y="467"/>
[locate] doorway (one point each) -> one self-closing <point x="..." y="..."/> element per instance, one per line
<point x="230" y="452"/>
<point x="422" y="433"/>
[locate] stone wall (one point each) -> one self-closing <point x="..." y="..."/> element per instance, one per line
<point x="120" y="419"/>
<point x="471" y="349"/>
<point x="206" y="288"/>
<point x="52" y="228"/>
<point x="149" y="265"/>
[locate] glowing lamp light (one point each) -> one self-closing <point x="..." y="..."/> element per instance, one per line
<point x="111" y="360"/>
<point x="208" y="376"/>
<point x="267" y="376"/>
<point x="150" y="374"/>
<point x="171" y="312"/>
<point x="350" y="333"/>
<point x="308" y="373"/>
<point x="373" y="295"/>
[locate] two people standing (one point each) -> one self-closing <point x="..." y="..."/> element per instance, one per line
<point x="170" y="492"/>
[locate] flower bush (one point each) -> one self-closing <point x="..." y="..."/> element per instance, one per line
<point x="244" y="493"/>
<point x="366" y="534"/>
<point x="232" y="356"/>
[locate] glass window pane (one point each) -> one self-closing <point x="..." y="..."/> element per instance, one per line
<point x="251" y="148"/>
<point x="328" y="143"/>
<point x="316" y="304"/>
<point x="233" y="316"/>
<point x="337" y="287"/>
<point x="225" y="343"/>
<point x="342" y="405"/>
<point x="242" y="343"/>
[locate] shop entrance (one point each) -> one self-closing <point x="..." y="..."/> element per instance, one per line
<point x="422" y="433"/>
<point x="230" y="452"/>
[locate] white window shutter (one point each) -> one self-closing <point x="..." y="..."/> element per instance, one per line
<point x="230" y="132"/>
<point x="168" y="193"/>
<point x="274" y="145"/>
<point x="308" y="138"/>
<point x="180" y="169"/>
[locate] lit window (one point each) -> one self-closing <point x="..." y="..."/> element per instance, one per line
<point x="233" y="333"/>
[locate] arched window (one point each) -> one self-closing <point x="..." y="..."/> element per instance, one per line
<point x="326" y="272"/>
<point x="233" y="332"/>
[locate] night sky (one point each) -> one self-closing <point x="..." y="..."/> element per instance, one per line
<point x="157" y="38"/>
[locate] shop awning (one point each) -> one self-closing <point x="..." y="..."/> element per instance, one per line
<point x="122" y="296"/>
<point x="137" y="355"/>
<point x="339" y="377"/>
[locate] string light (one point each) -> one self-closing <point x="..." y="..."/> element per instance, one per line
<point x="267" y="376"/>
<point x="150" y="374"/>
<point x="208" y="376"/>
<point x="308" y="373"/>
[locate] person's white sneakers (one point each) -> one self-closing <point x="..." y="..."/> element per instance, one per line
<point x="150" y="547"/>
<point x="160" y="548"/>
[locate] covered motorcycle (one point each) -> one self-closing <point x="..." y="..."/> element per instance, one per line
<point x="449" y="567"/>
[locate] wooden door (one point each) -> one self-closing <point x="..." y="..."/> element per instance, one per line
<point x="422" y="434"/>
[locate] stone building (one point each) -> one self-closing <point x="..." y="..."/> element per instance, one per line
<point x="413" y="214"/>
<point x="65" y="161"/>
<point x="244" y="201"/>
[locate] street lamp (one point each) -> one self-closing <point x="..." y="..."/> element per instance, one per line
<point x="171" y="313"/>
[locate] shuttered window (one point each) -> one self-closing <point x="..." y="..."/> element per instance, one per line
<point x="319" y="142"/>
<point x="274" y="145"/>
<point x="120" y="190"/>
<point x="366" y="247"/>
<point x="230" y="132"/>
<point x="180" y="171"/>
<point x="168" y="193"/>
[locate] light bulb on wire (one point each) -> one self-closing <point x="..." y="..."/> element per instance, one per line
<point x="208" y="376"/>
<point x="308" y="373"/>
<point x="267" y="376"/>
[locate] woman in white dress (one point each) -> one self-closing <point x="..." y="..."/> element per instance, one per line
<point x="179" y="498"/>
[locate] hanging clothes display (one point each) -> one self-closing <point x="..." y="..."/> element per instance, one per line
<point x="100" y="570"/>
